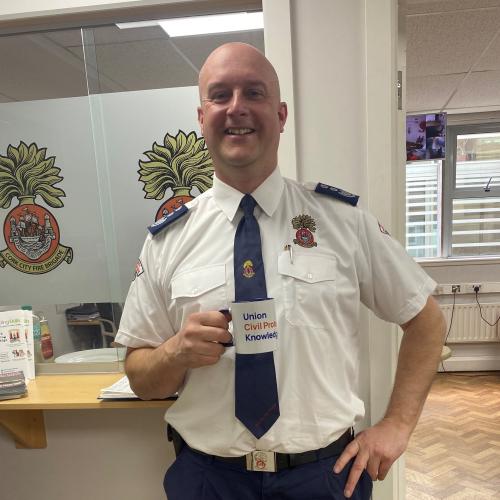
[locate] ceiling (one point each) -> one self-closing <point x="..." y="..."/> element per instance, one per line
<point x="453" y="55"/>
<point x="52" y="64"/>
<point x="453" y="58"/>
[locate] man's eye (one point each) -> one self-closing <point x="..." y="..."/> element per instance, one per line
<point x="255" y="94"/>
<point x="219" y="97"/>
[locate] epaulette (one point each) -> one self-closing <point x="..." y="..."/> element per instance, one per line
<point x="168" y="219"/>
<point x="338" y="193"/>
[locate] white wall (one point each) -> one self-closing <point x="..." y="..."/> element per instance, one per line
<point x="92" y="454"/>
<point x="343" y="70"/>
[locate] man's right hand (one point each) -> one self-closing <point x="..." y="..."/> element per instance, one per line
<point x="199" y="342"/>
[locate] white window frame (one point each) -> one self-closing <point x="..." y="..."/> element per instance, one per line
<point x="451" y="192"/>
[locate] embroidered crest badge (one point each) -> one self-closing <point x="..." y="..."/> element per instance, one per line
<point x="248" y="271"/>
<point x="305" y="226"/>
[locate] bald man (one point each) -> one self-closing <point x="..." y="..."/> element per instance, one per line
<point x="322" y="257"/>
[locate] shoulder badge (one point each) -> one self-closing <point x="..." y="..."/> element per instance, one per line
<point x="168" y="219"/>
<point x="338" y="193"/>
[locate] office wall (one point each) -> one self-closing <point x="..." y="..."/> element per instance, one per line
<point x="343" y="72"/>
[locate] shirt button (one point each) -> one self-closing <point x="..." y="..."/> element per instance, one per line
<point x="195" y="290"/>
<point x="309" y="276"/>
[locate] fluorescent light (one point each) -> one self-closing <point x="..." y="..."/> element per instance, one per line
<point x="137" y="24"/>
<point x="202" y="25"/>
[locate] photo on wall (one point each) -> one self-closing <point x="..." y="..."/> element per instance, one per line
<point x="426" y="137"/>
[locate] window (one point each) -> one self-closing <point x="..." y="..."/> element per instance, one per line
<point x="453" y="206"/>
<point x="423" y="220"/>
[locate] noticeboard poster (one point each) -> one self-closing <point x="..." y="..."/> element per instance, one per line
<point x="426" y="137"/>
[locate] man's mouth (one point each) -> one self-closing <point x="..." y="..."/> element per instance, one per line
<point x="239" y="131"/>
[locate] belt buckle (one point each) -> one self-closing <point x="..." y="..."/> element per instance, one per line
<point x="262" y="461"/>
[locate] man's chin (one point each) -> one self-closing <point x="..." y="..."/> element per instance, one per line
<point x="238" y="161"/>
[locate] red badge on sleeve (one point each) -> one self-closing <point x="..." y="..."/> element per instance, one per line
<point x="383" y="229"/>
<point x="138" y="269"/>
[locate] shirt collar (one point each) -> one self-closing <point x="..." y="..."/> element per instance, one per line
<point x="267" y="195"/>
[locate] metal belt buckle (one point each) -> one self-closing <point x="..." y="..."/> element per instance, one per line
<point x="263" y="461"/>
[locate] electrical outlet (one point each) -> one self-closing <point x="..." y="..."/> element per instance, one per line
<point x="476" y="287"/>
<point x="455" y="288"/>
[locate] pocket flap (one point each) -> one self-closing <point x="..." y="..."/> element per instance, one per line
<point x="308" y="268"/>
<point x="198" y="281"/>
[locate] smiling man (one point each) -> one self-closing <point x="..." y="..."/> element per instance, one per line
<point x="270" y="413"/>
<point x="241" y="116"/>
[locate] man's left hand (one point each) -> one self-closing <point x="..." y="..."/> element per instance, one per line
<point x="375" y="449"/>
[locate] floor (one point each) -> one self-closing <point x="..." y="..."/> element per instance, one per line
<point x="454" y="453"/>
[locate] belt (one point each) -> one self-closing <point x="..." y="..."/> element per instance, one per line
<point x="269" y="461"/>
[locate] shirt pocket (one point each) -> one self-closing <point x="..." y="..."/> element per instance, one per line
<point x="309" y="295"/>
<point x="200" y="289"/>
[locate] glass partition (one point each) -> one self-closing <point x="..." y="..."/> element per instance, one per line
<point x="98" y="136"/>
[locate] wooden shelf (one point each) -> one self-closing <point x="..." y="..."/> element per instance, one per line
<point x="23" y="417"/>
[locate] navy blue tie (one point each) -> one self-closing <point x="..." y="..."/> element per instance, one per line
<point x="256" y="391"/>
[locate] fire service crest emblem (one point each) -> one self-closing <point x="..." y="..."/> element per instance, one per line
<point x="181" y="163"/>
<point x="30" y="230"/>
<point x="248" y="271"/>
<point x="305" y="226"/>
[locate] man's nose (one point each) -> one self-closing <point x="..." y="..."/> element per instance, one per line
<point x="237" y="104"/>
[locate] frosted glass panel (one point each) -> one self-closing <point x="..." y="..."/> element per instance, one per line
<point x="46" y="124"/>
<point x="132" y="122"/>
<point x="82" y="112"/>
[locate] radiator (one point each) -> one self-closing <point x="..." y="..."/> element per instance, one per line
<point x="467" y="323"/>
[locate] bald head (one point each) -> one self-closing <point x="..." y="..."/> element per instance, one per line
<point x="240" y="114"/>
<point x="238" y="55"/>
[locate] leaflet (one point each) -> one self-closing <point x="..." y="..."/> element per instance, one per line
<point x="16" y="343"/>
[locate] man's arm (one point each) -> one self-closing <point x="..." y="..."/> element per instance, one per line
<point x="156" y="373"/>
<point x="377" y="447"/>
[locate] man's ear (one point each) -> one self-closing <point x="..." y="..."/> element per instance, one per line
<point x="282" y="115"/>
<point x="200" y="118"/>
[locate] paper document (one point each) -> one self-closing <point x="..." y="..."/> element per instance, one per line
<point x="119" y="390"/>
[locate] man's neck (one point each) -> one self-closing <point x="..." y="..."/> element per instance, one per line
<point x="243" y="180"/>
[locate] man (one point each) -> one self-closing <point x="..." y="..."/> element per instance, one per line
<point x="322" y="256"/>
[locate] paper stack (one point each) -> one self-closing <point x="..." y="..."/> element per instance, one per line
<point x="12" y="385"/>
<point x="119" y="390"/>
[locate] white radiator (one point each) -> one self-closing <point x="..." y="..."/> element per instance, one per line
<point x="467" y="323"/>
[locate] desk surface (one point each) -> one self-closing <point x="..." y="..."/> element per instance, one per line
<point x="73" y="392"/>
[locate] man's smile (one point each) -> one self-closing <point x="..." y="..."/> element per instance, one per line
<point x="238" y="131"/>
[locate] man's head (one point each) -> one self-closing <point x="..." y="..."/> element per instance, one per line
<point x="241" y="116"/>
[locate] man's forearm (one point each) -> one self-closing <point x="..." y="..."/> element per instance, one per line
<point x="419" y="356"/>
<point x="153" y="372"/>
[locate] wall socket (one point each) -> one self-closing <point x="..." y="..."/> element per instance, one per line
<point x="467" y="288"/>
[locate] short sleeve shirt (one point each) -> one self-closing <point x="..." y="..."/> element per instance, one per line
<point x="322" y="257"/>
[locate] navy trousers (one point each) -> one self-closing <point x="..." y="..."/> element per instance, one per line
<point x="197" y="477"/>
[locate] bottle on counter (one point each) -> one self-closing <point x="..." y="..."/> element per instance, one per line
<point x="46" y="341"/>
<point x="37" y="338"/>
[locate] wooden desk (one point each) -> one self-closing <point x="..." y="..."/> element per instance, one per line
<point x="23" y="417"/>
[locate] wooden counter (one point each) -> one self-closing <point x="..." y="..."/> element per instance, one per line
<point x="23" y="417"/>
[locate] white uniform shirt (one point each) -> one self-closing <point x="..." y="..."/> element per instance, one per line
<point x="188" y="267"/>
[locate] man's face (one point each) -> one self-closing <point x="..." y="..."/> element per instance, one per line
<point x="241" y="116"/>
